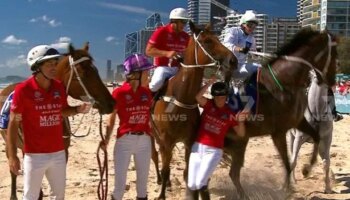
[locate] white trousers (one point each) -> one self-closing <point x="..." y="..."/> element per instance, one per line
<point x="159" y="75"/>
<point x="35" y="166"/>
<point x="245" y="70"/>
<point x="203" y="161"/>
<point x="140" y="147"/>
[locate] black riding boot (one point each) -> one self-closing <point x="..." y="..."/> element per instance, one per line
<point x="191" y="194"/>
<point x="138" y="198"/>
<point x="336" y="115"/>
<point x="204" y="192"/>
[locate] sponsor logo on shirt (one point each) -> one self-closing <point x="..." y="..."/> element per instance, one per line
<point x="56" y="95"/>
<point x="144" y="97"/>
<point x="38" y="96"/>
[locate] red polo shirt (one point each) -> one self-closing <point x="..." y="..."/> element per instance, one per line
<point x="165" y="38"/>
<point x="41" y="115"/>
<point x="215" y="123"/>
<point x="133" y="109"/>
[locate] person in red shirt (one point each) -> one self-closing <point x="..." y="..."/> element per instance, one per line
<point x="206" y="152"/>
<point x="38" y="105"/>
<point x="166" y="44"/>
<point x="133" y="105"/>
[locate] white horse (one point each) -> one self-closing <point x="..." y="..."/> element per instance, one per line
<point x="319" y="115"/>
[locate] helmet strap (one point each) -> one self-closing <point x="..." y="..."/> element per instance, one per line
<point x="38" y="70"/>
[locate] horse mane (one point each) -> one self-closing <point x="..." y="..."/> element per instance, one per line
<point x="301" y="38"/>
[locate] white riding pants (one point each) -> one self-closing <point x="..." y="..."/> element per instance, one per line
<point x="159" y="75"/>
<point x="140" y="147"/>
<point x="35" y="166"/>
<point x="203" y="161"/>
<point x="245" y="70"/>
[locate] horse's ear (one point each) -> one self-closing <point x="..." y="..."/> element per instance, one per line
<point x="71" y="49"/>
<point x="208" y="27"/>
<point x="193" y="28"/>
<point x="86" y="46"/>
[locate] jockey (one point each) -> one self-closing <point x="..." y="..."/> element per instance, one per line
<point x="165" y="44"/>
<point x="240" y="40"/>
<point x="206" y="152"/>
<point x="133" y="105"/>
<point x="37" y="107"/>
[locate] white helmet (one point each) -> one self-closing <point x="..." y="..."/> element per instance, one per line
<point x="179" y="13"/>
<point x="249" y="16"/>
<point x="41" y="53"/>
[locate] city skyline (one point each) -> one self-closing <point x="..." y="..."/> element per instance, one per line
<point x="103" y="23"/>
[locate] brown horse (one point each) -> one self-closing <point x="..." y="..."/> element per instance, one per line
<point x="282" y="97"/>
<point x="78" y="73"/>
<point x="176" y="114"/>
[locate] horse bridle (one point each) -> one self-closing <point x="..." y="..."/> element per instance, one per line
<point x="317" y="58"/>
<point x="73" y="70"/>
<point x="303" y="61"/>
<point x="212" y="64"/>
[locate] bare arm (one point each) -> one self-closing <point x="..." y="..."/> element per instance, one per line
<point x="152" y="51"/>
<point x="240" y="129"/>
<point x="12" y="134"/>
<point x="201" y="100"/>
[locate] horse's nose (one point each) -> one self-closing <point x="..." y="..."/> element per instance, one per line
<point x="233" y="62"/>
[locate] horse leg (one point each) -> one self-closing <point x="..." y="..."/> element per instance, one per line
<point x="156" y="161"/>
<point x="306" y="128"/>
<point x="237" y="151"/>
<point x="324" y="148"/>
<point x="296" y="140"/>
<point x="166" y="153"/>
<point x="280" y="143"/>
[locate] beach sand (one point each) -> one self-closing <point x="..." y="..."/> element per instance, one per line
<point x="262" y="175"/>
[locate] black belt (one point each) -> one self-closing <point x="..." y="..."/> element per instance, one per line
<point x="136" y="133"/>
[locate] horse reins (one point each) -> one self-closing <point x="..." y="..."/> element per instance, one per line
<point x="102" y="190"/>
<point x="305" y="62"/>
<point x="212" y="64"/>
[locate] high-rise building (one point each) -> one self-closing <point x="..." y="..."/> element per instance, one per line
<point x="321" y="14"/>
<point x="136" y="42"/>
<point x="279" y="32"/>
<point x="110" y="72"/>
<point x="208" y="11"/>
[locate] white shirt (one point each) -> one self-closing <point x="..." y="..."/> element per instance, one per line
<point x="236" y="37"/>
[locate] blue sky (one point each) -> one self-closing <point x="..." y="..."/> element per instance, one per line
<point x="104" y="23"/>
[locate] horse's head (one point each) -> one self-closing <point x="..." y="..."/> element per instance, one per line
<point x="209" y="50"/>
<point x="82" y="81"/>
<point x="310" y="49"/>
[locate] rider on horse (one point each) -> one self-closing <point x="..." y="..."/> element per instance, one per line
<point x="166" y="45"/>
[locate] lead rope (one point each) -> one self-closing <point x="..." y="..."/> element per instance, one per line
<point x="102" y="189"/>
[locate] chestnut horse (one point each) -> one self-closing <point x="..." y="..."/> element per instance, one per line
<point x="80" y="76"/>
<point x="176" y="115"/>
<point x="282" y="97"/>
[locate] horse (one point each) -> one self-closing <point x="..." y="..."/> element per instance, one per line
<point x="281" y="91"/>
<point x="80" y="76"/>
<point x="176" y="115"/>
<point x="319" y="116"/>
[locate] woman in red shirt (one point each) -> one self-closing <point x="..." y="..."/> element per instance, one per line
<point x="133" y="104"/>
<point x="206" y="152"/>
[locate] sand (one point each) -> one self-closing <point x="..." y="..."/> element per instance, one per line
<point x="262" y="175"/>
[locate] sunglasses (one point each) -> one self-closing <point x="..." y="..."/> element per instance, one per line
<point x="251" y="25"/>
<point x="183" y="21"/>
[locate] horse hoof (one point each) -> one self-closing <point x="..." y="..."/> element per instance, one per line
<point x="306" y="171"/>
<point x="13" y="198"/>
<point x="328" y="191"/>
